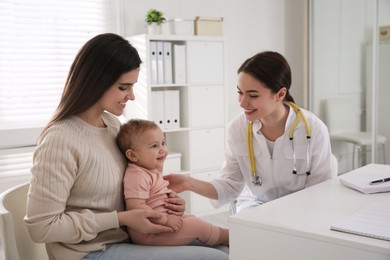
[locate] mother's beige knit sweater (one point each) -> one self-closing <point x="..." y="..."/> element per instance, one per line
<point x="76" y="188"/>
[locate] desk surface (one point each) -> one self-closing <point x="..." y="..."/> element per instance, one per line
<point x="297" y="224"/>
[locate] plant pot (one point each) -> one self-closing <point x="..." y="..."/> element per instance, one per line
<point x="154" y="28"/>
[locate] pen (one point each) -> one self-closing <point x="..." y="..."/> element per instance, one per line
<point x="380" y="181"/>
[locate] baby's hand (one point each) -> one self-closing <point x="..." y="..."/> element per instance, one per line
<point x="174" y="222"/>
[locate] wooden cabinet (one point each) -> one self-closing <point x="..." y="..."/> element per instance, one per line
<point x="188" y="102"/>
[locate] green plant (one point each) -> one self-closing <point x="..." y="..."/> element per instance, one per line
<point x="154" y="16"/>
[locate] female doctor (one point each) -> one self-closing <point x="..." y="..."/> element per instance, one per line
<point x="274" y="148"/>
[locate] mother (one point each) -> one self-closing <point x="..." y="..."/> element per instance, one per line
<point x="75" y="201"/>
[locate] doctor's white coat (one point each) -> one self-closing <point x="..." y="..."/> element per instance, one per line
<point x="275" y="169"/>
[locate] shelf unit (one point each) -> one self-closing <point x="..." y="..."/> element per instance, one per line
<point x="199" y="136"/>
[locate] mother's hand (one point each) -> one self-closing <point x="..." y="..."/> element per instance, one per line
<point x="175" y="204"/>
<point x="138" y="219"/>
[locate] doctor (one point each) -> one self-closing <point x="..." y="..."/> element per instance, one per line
<point x="274" y="148"/>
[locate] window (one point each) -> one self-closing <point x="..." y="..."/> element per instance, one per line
<point x="15" y="166"/>
<point x="38" y="42"/>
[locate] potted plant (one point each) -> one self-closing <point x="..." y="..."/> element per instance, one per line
<point x="154" y="20"/>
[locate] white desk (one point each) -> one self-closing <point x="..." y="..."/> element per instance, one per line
<point x="297" y="226"/>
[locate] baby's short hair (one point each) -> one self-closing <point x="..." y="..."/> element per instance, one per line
<point x="131" y="130"/>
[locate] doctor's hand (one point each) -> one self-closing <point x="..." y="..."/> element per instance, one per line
<point x="138" y="219"/>
<point x="178" y="182"/>
<point x="181" y="182"/>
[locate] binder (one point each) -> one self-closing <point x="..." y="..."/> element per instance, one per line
<point x="167" y="47"/>
<point x="160" y="63"/>
<point x="171" y="109"/>
<point x="157" y="115"/>
<point x="179" y="64"/>
<point x="153" y="62"/>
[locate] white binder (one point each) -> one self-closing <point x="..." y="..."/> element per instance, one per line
<point x="160" y="63"/>
<point x="167" y="47"/>
<point x="179" y="64"/>
<point x="171" y="109"/>
<point x="153" y="63"/>
<point x="157" y="115"/>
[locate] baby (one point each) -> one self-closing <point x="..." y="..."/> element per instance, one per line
<point x="143" y="143"/>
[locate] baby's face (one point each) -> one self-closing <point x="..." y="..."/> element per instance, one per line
<point x="151" y="150"/>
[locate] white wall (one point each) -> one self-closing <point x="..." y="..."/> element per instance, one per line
<point x="383" y="12"/>
<point x="339" y="36"/>
<point x="250" y="26"/>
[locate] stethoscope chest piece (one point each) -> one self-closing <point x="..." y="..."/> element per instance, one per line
<point x="256" y="180"/>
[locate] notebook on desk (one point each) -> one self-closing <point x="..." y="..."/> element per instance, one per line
<point x="359" y="179"/>
<point x="372" y="221"/>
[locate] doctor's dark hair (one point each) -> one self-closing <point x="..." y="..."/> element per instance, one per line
<point x="270" y="68"/>
<point x="97" y="66"/>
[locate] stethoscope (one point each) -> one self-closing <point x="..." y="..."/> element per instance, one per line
<point x="256" y="180"/>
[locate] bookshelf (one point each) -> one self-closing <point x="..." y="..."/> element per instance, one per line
<point x="188" y="102"/>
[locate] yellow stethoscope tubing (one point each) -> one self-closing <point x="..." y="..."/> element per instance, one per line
<point x="299" y="116"/>
<point x="250" y="149"/>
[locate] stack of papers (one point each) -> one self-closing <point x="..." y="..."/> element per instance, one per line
<point x="359" y="179"/>
<point x="372" y="221"/>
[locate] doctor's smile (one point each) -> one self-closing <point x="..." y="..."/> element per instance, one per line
<point x="250" y="112"/>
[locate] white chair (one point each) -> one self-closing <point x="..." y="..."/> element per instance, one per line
<point x="343" y="125"/>
<point x="15" y="241"/>
<point x="335" y="166"/>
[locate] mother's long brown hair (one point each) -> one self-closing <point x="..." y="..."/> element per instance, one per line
<point x="97" y="66"/>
